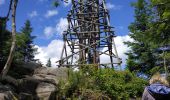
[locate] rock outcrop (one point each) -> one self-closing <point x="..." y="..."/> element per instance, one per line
<point x="40" y="84"/>
<point x="6" y="93"/>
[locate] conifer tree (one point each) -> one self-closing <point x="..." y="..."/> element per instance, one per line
<point x="159" y="30"/>
<point x="140" y="57"/>
<point x="49" y="63"/>
<point x="27" y="49"/>
<point x="161" y="22"/>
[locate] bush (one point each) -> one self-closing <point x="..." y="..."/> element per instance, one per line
<point x="120" y="84"/>
<point x="117" y="85"/>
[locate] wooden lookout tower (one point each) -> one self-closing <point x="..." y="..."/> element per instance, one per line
<point x="88" y="35"/>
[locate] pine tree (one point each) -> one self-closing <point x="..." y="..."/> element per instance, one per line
<point x="27" y="49"/>
<point x="140" y="57"/>
<point x="49" y="63"/>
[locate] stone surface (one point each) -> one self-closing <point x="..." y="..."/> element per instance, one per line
<point x="59" y="72"/>
<point x="28" y="85"/>
<point x="39" y="89"/>
<point x="46" y="78"/>
<point x="25" y="96"/>
<point x="32" y="82"/>
<point x="54" y="75"/>
<point x="6" y="93"/>
<point x="46" y="91"/>
<point x="21" y="69"/>
<point x="42" y="85"/>
<point x="29" y="65"/>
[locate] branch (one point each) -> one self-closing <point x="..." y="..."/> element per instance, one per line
<point x="10" y="6"/>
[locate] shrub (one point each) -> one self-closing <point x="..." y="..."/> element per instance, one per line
<point x="117" y="85"/>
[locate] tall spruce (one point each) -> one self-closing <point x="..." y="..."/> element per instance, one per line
<point x="161" y="22"/>
<point x="140" y="57"/>
<point x="160" y="28"/>
<point x="49" y="63"/>
<point x="28" y="49"/>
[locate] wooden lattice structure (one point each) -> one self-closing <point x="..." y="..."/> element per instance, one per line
<point x="88" y="32"/>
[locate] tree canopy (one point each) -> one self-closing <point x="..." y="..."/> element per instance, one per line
<point x="149" y="31"/>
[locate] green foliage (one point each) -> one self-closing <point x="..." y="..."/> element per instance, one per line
<point x="120" y="84"/>
<point x="156" y="69"/>
<point x="140" y="57"/>
<point x="161" y="26"/>
<point x="117" y="85"/>
<point x="150" y="30"/>
<point x="48" y="63"/>
<point x="25" y="47"/>
<point x="5" y="42"/>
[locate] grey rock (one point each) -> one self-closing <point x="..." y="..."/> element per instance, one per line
<point x="46" y="91"/>
<point x="6" y="93"/>
<point x="30" y="65"/>
<point x="46" y="78"/>
<point x="25" y="96"/>
<point x="59" y="73"/>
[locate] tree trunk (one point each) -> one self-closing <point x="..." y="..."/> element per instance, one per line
<point x="11" y="54"/>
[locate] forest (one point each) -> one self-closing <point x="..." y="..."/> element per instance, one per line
<point x="23" y="77"/>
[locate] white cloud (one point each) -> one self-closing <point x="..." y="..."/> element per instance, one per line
<point x="2" y="2"/>
<point x="54" y="49"/>
<point x="49" y="31"/>
<point x="121" y="49"/>
<point x="112" y="6"/>
<point x="51" y="13"/>
<point x="33" y="14"/>
<point x="61" y="26"/>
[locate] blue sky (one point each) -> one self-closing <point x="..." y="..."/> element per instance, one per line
<point x="45" y="18"/>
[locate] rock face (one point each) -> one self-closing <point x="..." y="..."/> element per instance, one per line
<point x="30" y="65"/>
<point x="6" y="93"/>
<point x="41" y="85"/>
<point x="50" y="74"/>
<point x="46" y="91"/>
<point x="20" y="69"/>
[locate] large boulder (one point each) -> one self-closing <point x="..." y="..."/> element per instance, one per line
<point x="46" y="91"/>
<point x="25" y="96"/>
<point x="21" y="69"/>
<point x="6" y="93"/>
<point x="61" y="72"/>
<point x="36" y="89"/>
<point x="42" y="85"/>
<point x="53" y="75"/>
<point x="30" y="65"/>
<point x="34" y="82"/>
